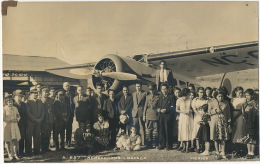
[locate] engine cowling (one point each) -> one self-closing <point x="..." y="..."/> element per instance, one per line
<point x="110" y="63"/>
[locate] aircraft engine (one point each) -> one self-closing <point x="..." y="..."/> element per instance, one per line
<point x="110" y="63"/>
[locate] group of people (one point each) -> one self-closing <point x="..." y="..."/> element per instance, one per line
<point x="165" y="117"/>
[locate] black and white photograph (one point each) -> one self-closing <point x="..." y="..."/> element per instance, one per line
<point x="130" y="81"/>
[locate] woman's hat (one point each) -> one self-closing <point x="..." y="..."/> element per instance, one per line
<point x="124" y="118"/>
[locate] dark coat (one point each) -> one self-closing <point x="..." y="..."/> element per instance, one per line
<point x="111" y="108"/>
<point x="69" y="101"/>
<point x="98" y="106"/>
<point x="61" y="111"/>
<point x="34" y="110"/>
<point x="125" y="103"/>
<point x="82" y="108"/>
<point x="167" y="103"/>
<point x="48" y="111"/>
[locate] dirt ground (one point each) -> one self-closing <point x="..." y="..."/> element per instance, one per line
<point x="150" y="155"/>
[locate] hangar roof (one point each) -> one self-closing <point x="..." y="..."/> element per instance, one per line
<point x="31" y="63"/>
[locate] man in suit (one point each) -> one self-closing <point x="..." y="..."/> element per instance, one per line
<point x="47" y="122"/>
<point x="110" y="106"/>
<point x="150" y="116"/>
<point x="69" y="100"/>
<point x="164" y="75"/>
<point x="139" y="98"/>
<point x="98" y="100"/>
<point x="52" y="96"/>
<point x="22" y="122"/>
<point x="125" y="103"/>
<point x="166" y="104"/>
<point x="34" y="115"/>
<point x="82" y="106"/>
<point x="62" y="115"/>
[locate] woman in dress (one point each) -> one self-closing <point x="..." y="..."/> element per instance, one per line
<point x="197" y="103"/>
<point x="11" y="131"/>
<point x="250" y="111"/>
<point x="176" y="145"/>
<point x="183" y="106"/>
<point x="219" y="110"/>
<point x="237" y="117"/>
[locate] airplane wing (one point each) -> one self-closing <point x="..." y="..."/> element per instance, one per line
<point x="70" y="70"/>
<point x="209" y="60"/>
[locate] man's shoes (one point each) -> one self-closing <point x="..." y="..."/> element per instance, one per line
<point x="167" y="148"/>
<point x="160" y="147"/>
<point x="192" y="149"/>
<point x="68" y="144"/>
<point x="198" y="151"/>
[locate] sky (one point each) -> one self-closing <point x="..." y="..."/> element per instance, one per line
<point x="82" y="32"/>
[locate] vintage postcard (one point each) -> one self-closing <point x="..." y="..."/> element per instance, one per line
<point x="122" y="81"/>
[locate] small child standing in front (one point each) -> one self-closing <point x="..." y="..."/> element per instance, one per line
<point x="204" y="129"/>
<point x="11" y="131"/>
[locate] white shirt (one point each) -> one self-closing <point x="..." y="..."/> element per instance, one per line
<point x="163" y="75"/>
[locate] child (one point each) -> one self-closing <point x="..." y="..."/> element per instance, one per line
<point x="123" y="142"/>
<point x="135" y="140"/>
<point x="250" y="112"/>
<point x="11" y="131"/>
<point x="88" y="139"/>
<point x="78" y="136"/>
<point x="101" y="128"/>
<point x="204" y="130"/>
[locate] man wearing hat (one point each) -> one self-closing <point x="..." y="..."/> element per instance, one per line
<point x="34" y="114"/>
<point x="150" y="116"/>
<point x="69" y="100"/>
<point x="22" y="122"/>
<point x="53" y="97"/>
<point x="38" y="87"/>
<point x="62" y="114"/>
<point x="47" y="122"/>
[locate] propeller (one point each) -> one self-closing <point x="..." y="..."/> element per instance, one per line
<point x="97" y="73"/>
<point x="120" y="75"/>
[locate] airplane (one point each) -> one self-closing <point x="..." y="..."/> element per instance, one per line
<point x="226" y="63"/>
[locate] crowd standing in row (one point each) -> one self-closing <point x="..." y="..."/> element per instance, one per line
<point x="169" y="118"/>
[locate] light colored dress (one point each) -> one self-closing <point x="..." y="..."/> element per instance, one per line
<point x="196" y="104"/>
<point x="237" y="127"/>
<point x="11" y="129"/>
<point x="185" y="120"/>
